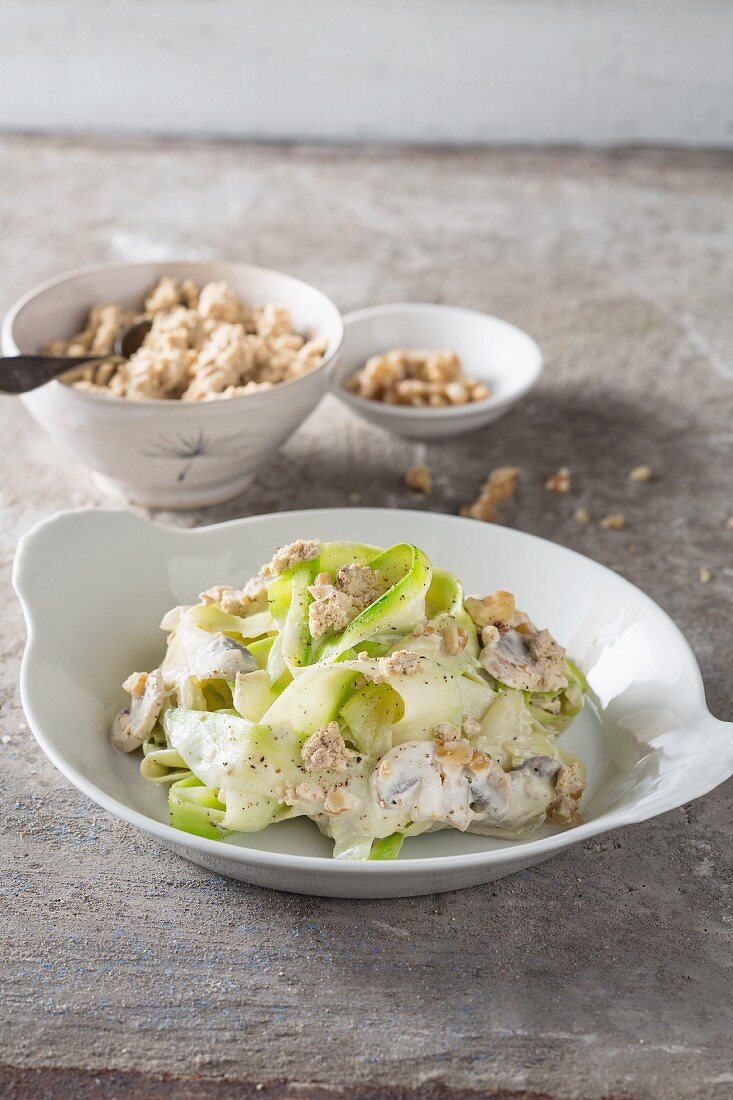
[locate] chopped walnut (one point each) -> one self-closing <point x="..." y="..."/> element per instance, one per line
<point x="500" y="484"/>
<point x="427" y="379"/>
<point x="202" y="346"/>
<point x="729" y="523"/>
<point x="307" y="791"/>
<point x="326" y="749"/>
<point x="704" y="574"/>
<point x="640" y="473"/>
<point x="401" y="663"/>
<point x="340" y="800"/>
<point x="457" y="752"/>
<point x="454" y="639"/>
<point x="496" y="610"/>
<point x="490" y="635"/>
<point x="445" y="731"/>
<point x="237" y="601"/>
<point x="614" y="521"/>
<point x="581" y="515"/>
<point x="286" y="557"/>
<point x="559" y="482"/>
<point x="418" y="478"/>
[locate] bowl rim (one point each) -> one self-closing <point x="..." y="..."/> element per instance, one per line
<point x="532" y="850"/>
<point x="473" y="409"/>
<point x="10" y="347"/>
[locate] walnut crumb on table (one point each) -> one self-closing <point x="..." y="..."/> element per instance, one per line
<point x="500" y="484"/>
<point x="418" y="479"/>
<point x="704" y="574"/>
<point x="729" y="523"/>
<point x="614" y="521"/>
<point x="581" y="515"/>
<point x="559" y="482"/>
<point x="640" y="474"/>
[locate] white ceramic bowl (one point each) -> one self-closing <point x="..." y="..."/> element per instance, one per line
<point x="646" y="737"/>
<point x="490" y="350"/>
<point x="170" y="454"/>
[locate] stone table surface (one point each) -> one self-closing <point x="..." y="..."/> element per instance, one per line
<point x="603" y="972"/>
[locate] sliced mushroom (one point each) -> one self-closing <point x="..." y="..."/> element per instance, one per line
<point x="416" y="779"/>
<point x="133" y="724"/>
<point x="528" y="660"/>
<point x="222" y="658"/>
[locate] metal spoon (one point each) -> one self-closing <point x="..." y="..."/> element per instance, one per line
<point x="21" y="373"/>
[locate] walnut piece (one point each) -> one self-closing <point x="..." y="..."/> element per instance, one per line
<point x="559" y="482"/>
<point x="500" y="484"/>
<point x="614" y="521"/>
<point x="640" y="474"/>
<point x="418" y="479"/>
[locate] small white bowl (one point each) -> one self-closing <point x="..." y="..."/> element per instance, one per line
<point x="169" y="454"/>
<point x="491" y="351"/>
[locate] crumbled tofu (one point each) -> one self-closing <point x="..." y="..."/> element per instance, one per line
<point x="307" y="791"/>
<point x="614" y="521"/>
<point x="326" y="749"/>
<point x="336" y="605"/>
<point x="500" y="485"/>
<point x="401" y="663"/>
<point x="418" y="479"/>
<point x="202" y="346"/>
<point x="704" y="574"/>
<point x="237" y="601"/>
<point x="569" y="787"/>
<point x="454" y="639"/>
<point x="559" y="482"/>
<point x="495" y="610"/>
<point x="640" y="473"/>
<point x="339" y="800"/>
<point x="446" y="731"/>
<point x="426" y="379"/>
<point x="581" y="515"/>
<point x="285" y="557"/>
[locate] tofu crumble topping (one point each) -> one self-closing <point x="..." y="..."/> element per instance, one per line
<point x="203" y="345"/>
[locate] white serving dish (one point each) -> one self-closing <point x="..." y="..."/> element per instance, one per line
<point x="647" y="738"/>
<point x="491" y="351"/>
<point x="169" y="454"/>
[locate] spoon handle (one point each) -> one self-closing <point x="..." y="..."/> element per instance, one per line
<point x="21" y="373"/>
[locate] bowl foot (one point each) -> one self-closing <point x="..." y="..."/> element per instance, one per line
<point x="176" y="500"/>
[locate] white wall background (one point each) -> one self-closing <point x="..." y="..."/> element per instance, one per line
<point x="486" y="71"/>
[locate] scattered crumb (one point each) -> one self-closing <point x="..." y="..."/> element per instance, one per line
<point x="500" y="484"/>
<point x="614" y="521"/>
<point x="580" y="515"/>
<point x="6" y="739"/>
<point x="354" y="497"/>
<point x="418" y="478"/>
<point x="729" y="523"/>
<point x="704" y="574"/>
<point x="559" y="482"/>
<point x="640" y="473"/>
